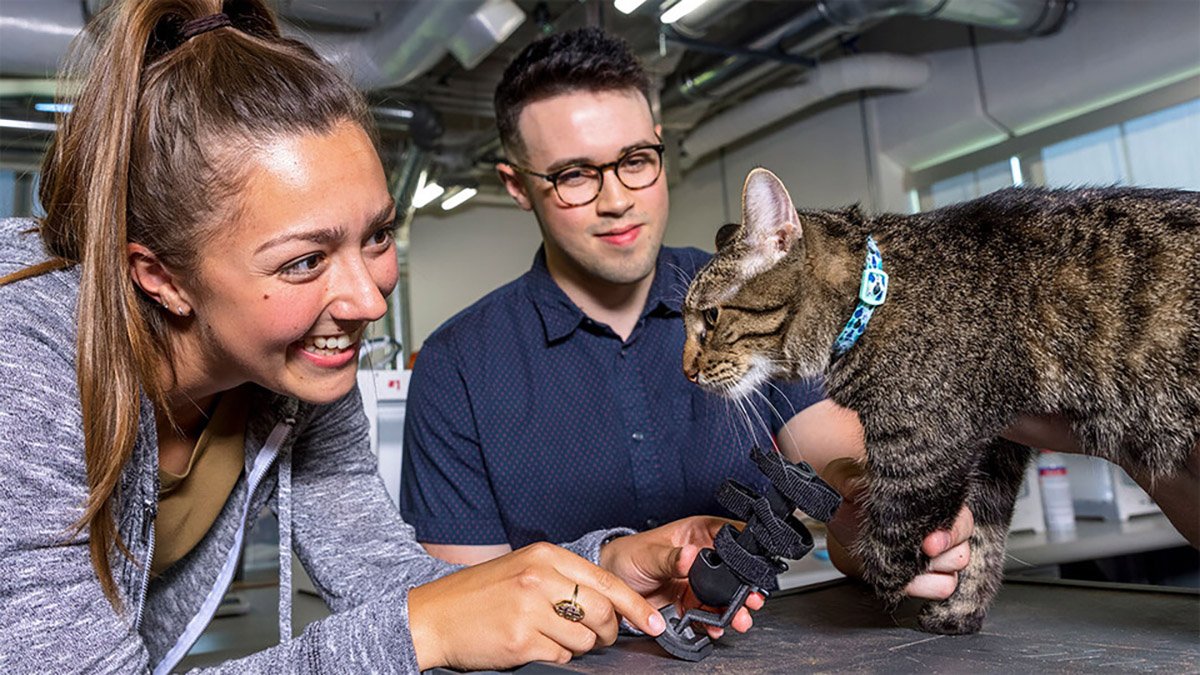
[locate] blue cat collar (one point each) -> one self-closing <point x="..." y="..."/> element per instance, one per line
<point x="872" y="292"/>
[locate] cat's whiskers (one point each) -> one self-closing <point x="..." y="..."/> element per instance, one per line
<point x="1013" y="557"/>
<point x="746" y="417"/>
<point x="679" y="289"/>
<point x="782" y="422"/>
<point x="762" y="422"/>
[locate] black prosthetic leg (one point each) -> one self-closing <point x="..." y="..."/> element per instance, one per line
<point x="749" y="560"/>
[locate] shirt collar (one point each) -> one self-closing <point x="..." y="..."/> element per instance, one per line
<point x="561" y="316"/>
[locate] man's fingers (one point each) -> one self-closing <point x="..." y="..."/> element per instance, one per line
<point x="755" y="601"/>
<point x="742" y="621"/>
<point x="954" y="560"/>
<point x="845" y="475"/>
<point x="960" y="532"/>
<point x="683" y="558"/>
<point x="934" y="586"/>
<point x="963" y="528"/>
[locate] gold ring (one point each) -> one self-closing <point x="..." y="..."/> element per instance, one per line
<point x="570" y="609"/>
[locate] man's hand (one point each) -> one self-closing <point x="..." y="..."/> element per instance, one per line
<point x="655" y="563"/>
<point x="949" y="551"/>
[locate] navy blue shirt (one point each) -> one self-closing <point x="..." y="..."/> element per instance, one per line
<point x="527" y="421"/>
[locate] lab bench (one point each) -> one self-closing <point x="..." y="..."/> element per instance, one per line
<point x="820" y="621"/>
<point x="1033" y="626"/>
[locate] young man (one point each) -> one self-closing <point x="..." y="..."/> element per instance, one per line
<point x="557" y="404"/>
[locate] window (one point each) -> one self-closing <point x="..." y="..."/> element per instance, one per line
<point x="1159" y="149"/>
<point x="969" y="185"/>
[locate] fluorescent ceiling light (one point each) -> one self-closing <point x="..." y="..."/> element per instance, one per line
<point x="627" y="6"/>
<point x="54" y="107"/>
<point x="30" y="126"/>
<point x="458" y="198"/>
<point x="427" y="194"/>
<point x="679" y="10"/>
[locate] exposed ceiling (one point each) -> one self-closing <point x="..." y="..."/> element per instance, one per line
<point x="788" y="40"/>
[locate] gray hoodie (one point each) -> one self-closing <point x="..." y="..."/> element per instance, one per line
<point x="310" y="463"/>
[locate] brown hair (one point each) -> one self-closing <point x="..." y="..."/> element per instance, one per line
<point x="151" y="154"/>
<point x="586" y="59"/>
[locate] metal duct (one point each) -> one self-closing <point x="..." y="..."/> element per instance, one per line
<point x="829" y="18"/>
<point x="35" y="35"/>
<point x="396" y="52"/>
<point x="484" y="31"/>
<point x="854" y="73"/>
<point x="1033" y="17"/>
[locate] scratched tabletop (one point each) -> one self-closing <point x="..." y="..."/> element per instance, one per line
<point x="1034" y="626"/>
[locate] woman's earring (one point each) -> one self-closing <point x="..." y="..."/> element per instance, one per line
<point x="181" y="311"/>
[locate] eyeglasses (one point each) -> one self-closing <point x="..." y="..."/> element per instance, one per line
<point x="580" y="184"/>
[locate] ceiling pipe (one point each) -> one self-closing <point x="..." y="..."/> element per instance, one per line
<point x="396" y="52"/>
<point x="35" y="35"/>
<point x="826" y="19"/>
<point x="853" y="73"/>
<point x="1031" y="17"/>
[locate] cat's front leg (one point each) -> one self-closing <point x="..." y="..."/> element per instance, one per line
<point x="993" y="492"/>
<point x="915" y="485"/>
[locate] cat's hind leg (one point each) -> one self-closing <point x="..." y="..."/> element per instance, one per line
<point x="991" y="496"/>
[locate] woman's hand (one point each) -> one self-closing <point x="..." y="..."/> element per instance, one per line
<point x="500" y="614"/>
<point x="949" y="551"/>
<point x="655" y="563"/>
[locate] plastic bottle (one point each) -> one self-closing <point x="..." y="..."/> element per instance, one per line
<point x="1056" y="492"/>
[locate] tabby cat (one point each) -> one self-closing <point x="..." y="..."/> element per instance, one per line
<point x="1084" y="303"/>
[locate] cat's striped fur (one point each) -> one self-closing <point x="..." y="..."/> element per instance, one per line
<point x="1083" y="303"/>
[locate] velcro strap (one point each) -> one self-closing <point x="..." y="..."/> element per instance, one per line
<point x="799" y="484"/>
<point x="755" y="570"/>
<point x="785" y="537"/>
<point x="737" y="497"/>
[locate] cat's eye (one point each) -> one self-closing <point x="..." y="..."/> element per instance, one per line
<point x="710" y="316"/>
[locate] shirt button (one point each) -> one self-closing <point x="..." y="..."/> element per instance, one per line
<point x="637" y="435"/>
<point x="651" y="523"/>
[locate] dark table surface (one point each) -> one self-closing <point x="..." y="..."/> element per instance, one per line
<point x="1034" y="626"/>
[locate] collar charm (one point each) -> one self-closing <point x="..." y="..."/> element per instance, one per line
<point x="872" y="292"/>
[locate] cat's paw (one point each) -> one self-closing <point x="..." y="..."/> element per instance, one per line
<point x="951" y="618"/>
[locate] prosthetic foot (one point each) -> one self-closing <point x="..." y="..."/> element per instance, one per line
<point x="749" y="560"/>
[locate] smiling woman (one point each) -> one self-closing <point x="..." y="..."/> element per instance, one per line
<point x="323" y="259"/>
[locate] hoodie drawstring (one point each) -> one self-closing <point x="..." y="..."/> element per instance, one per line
<point x="285" y="548"/>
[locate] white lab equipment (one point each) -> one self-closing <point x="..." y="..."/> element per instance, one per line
<point x="1101" y="489"/>
<point x="384" y="393"/>
<point x="1027" y="512"/>
<point x="1056" y="491"/>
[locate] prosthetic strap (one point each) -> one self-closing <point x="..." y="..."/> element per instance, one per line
<point x="781" y="535"/>
<point x="799" y="484"/>
<point x="756" y="570"/>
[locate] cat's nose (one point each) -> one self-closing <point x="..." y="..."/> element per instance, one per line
<point x="690" y="371"/>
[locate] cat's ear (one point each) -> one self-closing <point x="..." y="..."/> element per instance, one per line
<point x="770" y="225"/>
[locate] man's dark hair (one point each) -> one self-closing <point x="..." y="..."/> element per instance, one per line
<point x="582" y="59"/>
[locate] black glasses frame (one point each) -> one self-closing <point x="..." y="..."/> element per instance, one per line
<point x="598" y="168"/>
